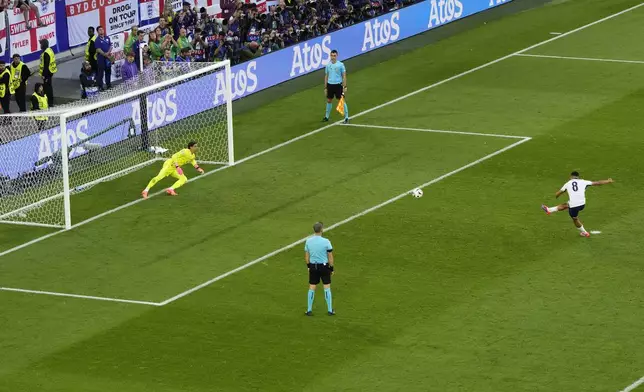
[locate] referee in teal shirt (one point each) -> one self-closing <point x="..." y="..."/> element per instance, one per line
<point x="318" y="254"/>
<point x="335" y="85"/>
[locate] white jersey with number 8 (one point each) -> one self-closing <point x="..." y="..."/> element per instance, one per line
<point x="576" y="189"/>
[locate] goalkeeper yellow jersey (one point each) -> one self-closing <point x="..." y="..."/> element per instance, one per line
<point x="182" y="157"/>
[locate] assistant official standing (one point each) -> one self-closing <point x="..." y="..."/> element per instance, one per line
<point x="5" y="79"/>
<point x="47" y="69"/>
<point x="19" y="75"/>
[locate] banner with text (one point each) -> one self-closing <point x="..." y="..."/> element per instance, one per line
<point x="24" y="41"/>
<point x="115" y="15"/>
<point x="314" y="54"/>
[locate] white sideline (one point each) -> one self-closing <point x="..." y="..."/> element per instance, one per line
<point x="633" y="385"/>
<point x="545" y="56"/>
<point x="338" y="224"/>
<point x="434" y="131"/>
<point x="127" y="301"/>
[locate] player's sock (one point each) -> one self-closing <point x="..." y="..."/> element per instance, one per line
<point x="328" y="110"/>
<point x="552" y="209"/>
<point x="582" y="229"/>
<point x="329" y="299"/>
<point x="311" y="296"/>
<point x="346" y="111"/>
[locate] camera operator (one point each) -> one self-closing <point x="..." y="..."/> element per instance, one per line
<point x="199" y="46"/>
<point x="250" y="51"/>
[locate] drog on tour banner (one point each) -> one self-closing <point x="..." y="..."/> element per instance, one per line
<point x="23" y="41"/>
<point x="309" y="56"/>
<point x="115" y="15"/>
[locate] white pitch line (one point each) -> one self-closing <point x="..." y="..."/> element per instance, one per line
<point x="434" y="131"/>
<point x="338" y="224"/>
<point x="633" y="385"/>
<point x="544" y="56"/>
<point x="56" y="294"/>
<point x="36" y="240"/>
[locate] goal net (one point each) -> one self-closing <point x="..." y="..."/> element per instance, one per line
<point x="46" y="157"/>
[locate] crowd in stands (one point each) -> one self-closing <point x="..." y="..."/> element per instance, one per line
<point x="243" y="33"/>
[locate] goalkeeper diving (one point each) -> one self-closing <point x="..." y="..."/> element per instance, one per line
<point x="172" y="167"/>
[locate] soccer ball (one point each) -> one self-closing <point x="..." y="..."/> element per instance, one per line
<point x="417" y="193"/>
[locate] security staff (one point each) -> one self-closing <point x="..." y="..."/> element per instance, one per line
<point x="90" y="48"/>
<point x="39" y="102"/>
<point x="5" y="80"/>
<point x="19" y="75"/>
<point x="47" y="69"/>
<point x="318" y="254"/>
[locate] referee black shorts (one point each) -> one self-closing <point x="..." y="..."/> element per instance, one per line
<point x="319" y="272"/>
<point x="334" y="91"/>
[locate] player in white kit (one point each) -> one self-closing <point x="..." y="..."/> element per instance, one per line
<point x="576" y="188"/>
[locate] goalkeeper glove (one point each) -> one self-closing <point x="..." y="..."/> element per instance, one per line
<point x="179" y="171"/>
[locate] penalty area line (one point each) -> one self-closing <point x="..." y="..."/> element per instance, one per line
<point x="434" y="131"/>
<point x="633" y="385"/>
<point x="400" y="98"/>
<point x="338" y="224"/>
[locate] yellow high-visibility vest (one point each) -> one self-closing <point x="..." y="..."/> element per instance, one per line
<point x="52" y="61"/>
<point x="16" y="77"/>
<point x="42" y="102"/>
<point x="93" y="39"/>
<point x="3" y="88"/>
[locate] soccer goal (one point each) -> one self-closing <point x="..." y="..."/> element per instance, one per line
<point x="48" y="156"/>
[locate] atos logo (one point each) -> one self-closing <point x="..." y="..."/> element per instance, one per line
<point x="444" y="11"/>
<point x="494" y="3"/>
<point x="51" y="140"/>
<point x="162" y="109"/>
<point x="381" y="32"/>
<point x="244" y="81"/>
<point x="309" y="58"/>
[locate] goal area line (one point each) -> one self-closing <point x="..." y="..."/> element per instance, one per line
<point x="521" y="140"/>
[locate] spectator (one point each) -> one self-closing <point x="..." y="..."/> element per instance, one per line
<point x="204" y="18"/>
<point x="148" y="74"/>
<point x="168" y="12"/>
<point x="26" y="6"/>
<point x="186" y="19"/>
<point x="129" y="69"/>
<point x="154" y="48"/>
<point x="137" y="46"/>
<point x="183" y="41"/>
<point x="167" y="56"/>
<point x="250" y="51"/>
<point x="134" y="34"/>
<point x="163" y="25"/>
<point x="199" y="45"/>
<point x="89" y="86"/>
<point x="184" y="56"/>
<point x="169" y="44"/>
<point x="227" y="8"/>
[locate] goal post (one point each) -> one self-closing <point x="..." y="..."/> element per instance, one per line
<point x="44" y="163"/>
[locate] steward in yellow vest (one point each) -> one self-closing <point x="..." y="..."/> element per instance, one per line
<point x="18" y="85"/>
<point x="47" y="69"/>
<point x="39" y="102"/>
<point x="5" y="80"/>
<point x="90" y="48"/>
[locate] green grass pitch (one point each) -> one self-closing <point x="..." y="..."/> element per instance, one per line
<point x="470" y="288"/>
